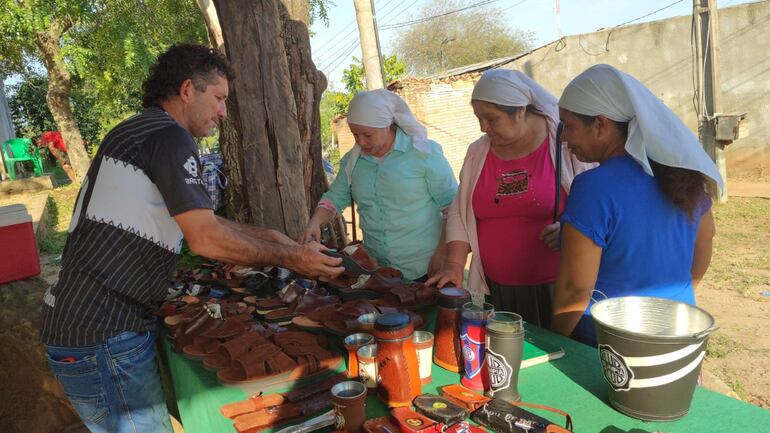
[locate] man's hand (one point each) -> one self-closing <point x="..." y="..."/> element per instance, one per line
<point x="311" y="262"/>
<point x="449" y="273"/>
<point x="550" y="235"/>
<point x="279" y="238"/>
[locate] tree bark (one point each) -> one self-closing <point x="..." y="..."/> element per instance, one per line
<point x="58" y="95"/>
<point x="267" y="159"/>
<point x="212" y="24"/>
<point x="307" y="84"/>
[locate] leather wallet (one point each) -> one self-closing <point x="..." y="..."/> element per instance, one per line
<point x="412" y="422"/>
<point x="501" y="416"/>
<point x="463" y="396"/>
<point x="439" y="409"/>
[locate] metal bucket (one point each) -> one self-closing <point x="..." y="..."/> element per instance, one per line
<point x="651" y="351"/>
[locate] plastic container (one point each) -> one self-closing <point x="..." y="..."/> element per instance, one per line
<point x="19" y="258"/>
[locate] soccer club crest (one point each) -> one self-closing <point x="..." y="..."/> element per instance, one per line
<point x="614" y="368"/>
<point x="499" y="371"/>
<point x="473" y="353"/>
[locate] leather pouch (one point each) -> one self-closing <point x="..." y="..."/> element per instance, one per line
<point x="439" y="409"/>
<point x="464" y="397"/>
<point x="501" y="416"/>
<point x="383" y="424"/>
<point x="412" y="422"/>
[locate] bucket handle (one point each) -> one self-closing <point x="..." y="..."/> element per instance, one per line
<point x="706" y="332"/>
<point x="599" y="292"/>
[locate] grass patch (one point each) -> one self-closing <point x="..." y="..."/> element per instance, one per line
<point x="61" y="202"/>
<point x="720" y="346"/>
<point x="741" y="261"/>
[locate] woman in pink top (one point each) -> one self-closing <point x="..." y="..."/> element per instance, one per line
<point x="504" y="207"/>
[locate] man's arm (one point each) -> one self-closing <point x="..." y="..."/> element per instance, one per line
<point x="578" y="270"/>
<point x="208" y="237"/>
<point x="260" y="233"/>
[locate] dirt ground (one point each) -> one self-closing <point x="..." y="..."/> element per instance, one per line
<point x="737" y="362"/>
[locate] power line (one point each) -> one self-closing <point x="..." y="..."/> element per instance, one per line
<point x="651" y="13"/>
<point x="333" y="50"/>
<point x="352" y="45"/>
<point x="425" y="19"/>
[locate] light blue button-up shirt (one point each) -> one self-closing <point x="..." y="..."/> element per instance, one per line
<point x="400" y="198"/>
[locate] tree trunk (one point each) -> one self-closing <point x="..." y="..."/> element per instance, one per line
<point x="307" y="84"/>
<point x="270" y="170"/>
<point x="212" y="24"/>
<point x="58" y="95"/>
<point x="236" y="198"/>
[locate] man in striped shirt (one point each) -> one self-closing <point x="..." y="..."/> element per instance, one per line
<point x="143" y="193"/>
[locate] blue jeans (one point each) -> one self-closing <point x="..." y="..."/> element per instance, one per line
<point x="114" y="386"/>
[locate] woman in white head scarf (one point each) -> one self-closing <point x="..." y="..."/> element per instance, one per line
<point x="400" y="181"/>
<point x="640" y="223"/>
<point x="505" y="206"/>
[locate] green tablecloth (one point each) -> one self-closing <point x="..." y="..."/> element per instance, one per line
<point x="573" y="383"/>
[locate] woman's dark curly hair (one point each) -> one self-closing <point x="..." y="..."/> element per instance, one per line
<point x="181" y="62"/>
<point x="683" y="187"/>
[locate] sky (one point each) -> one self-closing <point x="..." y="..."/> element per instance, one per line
<point x="334" y="46"/>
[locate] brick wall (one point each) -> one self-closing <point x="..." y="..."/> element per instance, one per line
<point x="445" y="110"/>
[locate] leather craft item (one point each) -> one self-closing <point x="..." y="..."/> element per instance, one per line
<point x="273" y="416"/>
<point x="383" y="424"/>
<point x="463" y="396"/>
<point x="398" y="372"/>
<point x="251" y="404"/>
<point x="440" y="409"/>
<point x="447" y="349"/>
<point x="501" y="416"/>
<point x="412" y="422"/>
<point x="350" y="405"/>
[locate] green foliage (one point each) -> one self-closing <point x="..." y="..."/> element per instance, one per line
<point x="459" y="39"/>
<point x="319" y="9"/>
<point x="114" y="50"/>
<point x="28" y="106"/>
<point x="31" y="117"/>
<point x="107" y="51"/>
<point x="353" y="79"/>
<point x="21" y="22"/>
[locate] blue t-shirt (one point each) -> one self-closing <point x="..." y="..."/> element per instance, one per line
<point x="647" y="242"/>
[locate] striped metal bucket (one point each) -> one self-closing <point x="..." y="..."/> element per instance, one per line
<point x="651" y="351"/>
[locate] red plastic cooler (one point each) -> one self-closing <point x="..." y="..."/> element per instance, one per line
<point x="18" y="250"/>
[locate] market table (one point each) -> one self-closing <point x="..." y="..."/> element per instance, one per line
<point x="573" y="383"/>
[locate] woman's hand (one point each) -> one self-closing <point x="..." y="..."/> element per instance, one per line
<point x="312" y="233"/>
<point x="450" y="273"/>
<point x="550" y="235"/>
<point x="436" y="261"/>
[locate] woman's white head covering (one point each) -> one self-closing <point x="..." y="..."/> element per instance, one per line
<point x="654" y="131"/>
<point x="380" y="108"/>
<point x="515" y="89"/>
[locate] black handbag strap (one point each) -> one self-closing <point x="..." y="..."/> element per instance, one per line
<point x="559" y="130"/>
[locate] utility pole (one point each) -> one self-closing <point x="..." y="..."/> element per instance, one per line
<point x="370" y="44"/>
<point x="557" y="10"/>
<point x="709" y="87"/>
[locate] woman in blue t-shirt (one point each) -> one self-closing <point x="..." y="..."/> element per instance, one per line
<point x="640" y="223"/>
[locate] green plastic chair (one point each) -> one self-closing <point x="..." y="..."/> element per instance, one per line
<point x="22" y="150"/>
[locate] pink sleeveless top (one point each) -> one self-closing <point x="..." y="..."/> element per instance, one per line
<point x="513" y="202"/>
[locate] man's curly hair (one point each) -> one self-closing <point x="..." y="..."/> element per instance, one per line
<point x="180" y="62"/>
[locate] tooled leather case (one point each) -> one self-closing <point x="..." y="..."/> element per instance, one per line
<point x="502" y="417"/>
<point x="439" y="409"/>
